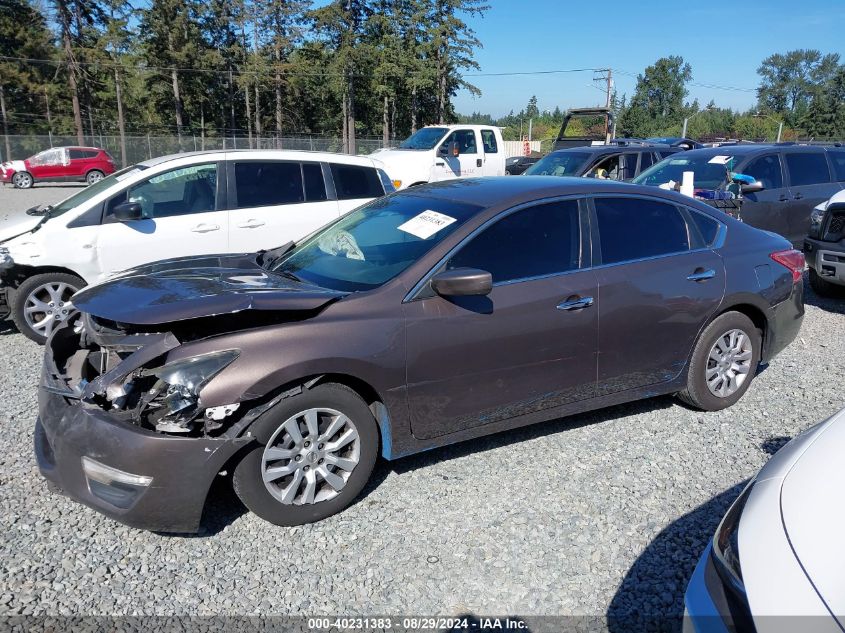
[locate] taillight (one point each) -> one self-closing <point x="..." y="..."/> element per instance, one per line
<point x="792" y="260"/>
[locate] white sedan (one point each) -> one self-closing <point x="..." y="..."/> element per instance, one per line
<point x="777" y="560"/>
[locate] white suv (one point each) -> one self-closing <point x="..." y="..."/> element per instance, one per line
<point x="180" y="205"/>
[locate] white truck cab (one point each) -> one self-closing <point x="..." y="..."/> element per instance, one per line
<point x="444" y="152"/>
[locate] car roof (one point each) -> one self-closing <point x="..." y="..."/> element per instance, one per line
<point x="507" y="191"/>
<point x="616" y="148"/>
<point x="269" y="154"/>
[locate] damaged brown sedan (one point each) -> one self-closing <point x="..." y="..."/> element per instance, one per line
<point x="430" y="316"/>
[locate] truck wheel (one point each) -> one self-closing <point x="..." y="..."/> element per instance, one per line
<point x="723" y="362"/>
<point x="22" y="180"/>
<point x="823" y="287"/>
<point x="316" y="452"/>
<point x="43" y="302"/>
<point x="95" y="175"/>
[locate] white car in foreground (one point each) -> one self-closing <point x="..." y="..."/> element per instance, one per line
<point x="197" y="203"/>
<point x="777" y="560"/>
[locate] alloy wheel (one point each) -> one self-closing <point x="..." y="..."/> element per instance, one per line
<point x="22" y="180"/>
<point x="729" y="363"/>
<point x="48" y="306"/>
<point x="310" y="457"/>
<point x="94" y="176"/>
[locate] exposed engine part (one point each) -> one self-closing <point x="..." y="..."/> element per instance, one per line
<point x="223" y="411"/>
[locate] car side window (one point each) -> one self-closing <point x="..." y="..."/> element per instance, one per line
<point x="646" y="161"/>
<point x="767" y="170"/>
<point x="806" y="168"/>
<point x="179" y="191"/>
<point x="55" y="156"/>
<point x="540" y="240"/>
<point x="268" y="183"/>
<point x="637" y="228"/>
<point x="488" y="138"/>
<point x="465" y="140"/>
<point x="707" y="226"/>
<point x="837" y="159"/>
<point x="315" y="184"/>
<point x="76" y="154"/>
<point x="630" y="168"/>
<point x="356" y="181"/>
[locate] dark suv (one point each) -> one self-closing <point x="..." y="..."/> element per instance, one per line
<point x="825" y="247"/>
<point x="791" y="180"/>
<point x="615" y="161"/>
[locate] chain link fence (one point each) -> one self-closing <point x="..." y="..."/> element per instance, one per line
<point x="139" y="148"/>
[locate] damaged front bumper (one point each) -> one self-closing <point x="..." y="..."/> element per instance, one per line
<point x="136" y="475"/>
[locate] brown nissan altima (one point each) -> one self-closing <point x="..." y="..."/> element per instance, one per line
<point x="431" y="316"/>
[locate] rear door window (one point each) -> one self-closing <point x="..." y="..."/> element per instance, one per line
<point x="806" y="168"/>
<point x="637" y="228"/>
<point x="315" y="185"/>
<point x="537" y="241"/>
<point x="267" y="184"/>
<point x="766" y="169"/>
<point x="488" y="138"/>
<point x="356" y="181"/>
<point x="837" y="159"/>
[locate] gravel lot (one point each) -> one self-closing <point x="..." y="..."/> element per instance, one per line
<point x="603" y="514"/>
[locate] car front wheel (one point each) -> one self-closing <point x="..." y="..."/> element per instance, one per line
<point x="43" y="302"/>
<point x="724" y="362"/>
<point x="22" y="180"/>
<point x="95" y="175"/>
<point x="315" y="454"/>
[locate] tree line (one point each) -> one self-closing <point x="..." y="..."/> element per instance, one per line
<point x="801" y="93"/>
<point x="233" y="67"/>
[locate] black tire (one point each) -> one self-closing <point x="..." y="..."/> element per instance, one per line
<point x="18" y="301"/>
<point x="95" y="175"/>
<point x="23" y="180"/>
<point x="824" y="288"/>
<point x="697" y="394"/>
<point x="247" y="479"/>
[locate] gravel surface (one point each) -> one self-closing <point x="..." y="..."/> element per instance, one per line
<point x="602" y="514"/>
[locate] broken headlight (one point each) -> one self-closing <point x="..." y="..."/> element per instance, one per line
<point x="179" y="384"/>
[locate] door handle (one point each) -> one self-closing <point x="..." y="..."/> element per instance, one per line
<point x="478" y="162"/>
<point x="251" y="224"/>
<point x="205" y="228"/>
<point x="798" y="196"/>
<point x="702" y="275"/>
<point x="783" y="198"/>
<point x="578" y="303"/>
<point x="439" y="164"/>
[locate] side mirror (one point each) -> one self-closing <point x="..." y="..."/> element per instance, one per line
<point x="128" y="211"/>
<point x="462" y="282"/>
<point x="752" y="187"/>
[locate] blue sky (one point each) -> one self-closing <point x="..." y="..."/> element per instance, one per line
<point x="724" y="42"/>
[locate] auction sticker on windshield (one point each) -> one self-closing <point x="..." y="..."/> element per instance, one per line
<point x="426" y="224"/>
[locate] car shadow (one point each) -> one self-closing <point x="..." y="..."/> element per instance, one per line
<point x="7" y="327"/>
<point x="651" y="595"/>
<point x="829" y="304"/>
<point x="772" y="445"/>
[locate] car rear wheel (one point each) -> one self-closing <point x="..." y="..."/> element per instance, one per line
<point x="95" y="175"/>
<point x="823" y="287"/>
<point x="43" y="302"/>
<point x="723" y="363"/>
<point x="315" y="453"/>
<point x="22" y="180"/>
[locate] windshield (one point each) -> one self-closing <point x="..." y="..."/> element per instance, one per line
<point x="711" y="172"/>
<point x="425" y="138"/>
<point x="559" y="164"/>
<point x="90" y="191"/>
<point x="374" y="243"/>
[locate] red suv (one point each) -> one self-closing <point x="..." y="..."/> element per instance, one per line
<point x="58" y="164"/>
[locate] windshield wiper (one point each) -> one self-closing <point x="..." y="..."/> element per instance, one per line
<point x="36" y="210"/>
<point x="289" y="275"/>
<point x="267" y="258"/>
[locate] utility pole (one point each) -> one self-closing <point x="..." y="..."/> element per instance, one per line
<point x="609" y="86"/>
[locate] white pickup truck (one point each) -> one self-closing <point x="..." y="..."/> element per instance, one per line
<point x="444" y="152"/>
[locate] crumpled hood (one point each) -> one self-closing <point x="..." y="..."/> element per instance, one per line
<point x="813" y="512"/>
<point x="194" y="287"/>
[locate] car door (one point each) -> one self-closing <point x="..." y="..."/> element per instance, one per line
<point x="810" y="184"/>
<point x="528" y="346"/>
<point x="767" y="209"/>
<point x="490" y="147"/>
<point x="183" y="217"/>
<point x="51" y="164"/>
<point x="275" y="201"/>
<point x="467" y="163"/>
<point x="658" y="284"/>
